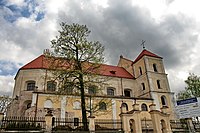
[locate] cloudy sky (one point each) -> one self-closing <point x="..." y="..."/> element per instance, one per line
<point x="171" y="29"/>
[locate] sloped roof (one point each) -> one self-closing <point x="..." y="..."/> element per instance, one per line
<point x="114" y="71"/>
<point x="105" y="70"/>
<point x="147" y="53"/>
<point x="37" y="63"/>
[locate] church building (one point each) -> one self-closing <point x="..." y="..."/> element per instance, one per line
<point x="141" y="81"/>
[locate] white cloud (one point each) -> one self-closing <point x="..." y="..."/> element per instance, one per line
<point x="6" y="85"/>
<point x="170" y="28"/>
<point x="16" y="2"/>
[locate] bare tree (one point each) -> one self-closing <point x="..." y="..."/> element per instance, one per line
<point x="4" y="103"/>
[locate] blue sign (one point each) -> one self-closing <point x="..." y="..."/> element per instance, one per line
<point x="187" y="101"/>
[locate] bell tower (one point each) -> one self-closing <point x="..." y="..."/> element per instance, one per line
<point x="152" y="80"/>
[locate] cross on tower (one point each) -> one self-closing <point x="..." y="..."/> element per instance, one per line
<point x="143" y="44"/>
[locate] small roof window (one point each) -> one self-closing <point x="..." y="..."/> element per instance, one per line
<point x="113" y="72"/>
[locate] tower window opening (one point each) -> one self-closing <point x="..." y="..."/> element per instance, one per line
<point x="155" y="68"/>
<point x="158" y="84"/>
<point x="140" y="69"/>
<point x="143" y="86"/>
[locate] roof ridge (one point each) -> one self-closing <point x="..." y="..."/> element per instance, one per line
<point x="26" y="65"/>
<point x="147" y="53"/>
<point x="126" y="59"/>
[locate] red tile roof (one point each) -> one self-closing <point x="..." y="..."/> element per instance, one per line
<point x="37" y="63"/>
<point x="114" y="71"/>
<point x="147" y="53"/>
<point x="105" y="70"/>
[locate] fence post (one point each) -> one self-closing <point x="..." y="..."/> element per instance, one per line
<point x="1" y="117"/>
<point x="190" y="125"/>
<point x="91" y="124"/>
<point x="48" y="120"/>
<point x="160" y="120"/>
<point x="125" y="123"/>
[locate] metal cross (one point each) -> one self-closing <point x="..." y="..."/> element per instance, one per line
<point x="143" y="44"/>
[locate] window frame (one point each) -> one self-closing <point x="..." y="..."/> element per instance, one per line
<point x="125" y="105"/>
<point x="51" y="85"/>
<point x="158" y="84"/>
<point x="163" y="100"/>
<point x="127" y="90"/>
<point x="140" y="70"/>
<point x="30" y="85"/>
<point x="143" y="86"/>
<point x="28" y="105"/>
<point x="155" y="67"/>
<point x="92" y="90"/>
<point x="144" y="107"/>
<point x="110" y="91"/>
<point x="102" y="106"/>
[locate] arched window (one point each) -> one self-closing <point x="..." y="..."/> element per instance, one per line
<point x="125" y="105"/>
<point x="158" y="84"/>
<point x="92" y="89"/>
<point x="102" y="106"/>
<point x="28" y="106"/>
<point x="144" y="107"/>
<point x="163" y="101"/>
<point x="30" y="85"/>
<point x="51" y="86"/>
<point x="140" y="70"/>
<point x="155" y="68"/>
<point x="163" y="125"/>
<point x="110" y="91"/>
<point x="48" y="104"/>
<point x="127" y="93"/>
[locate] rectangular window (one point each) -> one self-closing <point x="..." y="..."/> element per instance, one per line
<point x="140" y="69"/>
<point x="51" y="86"/>
<point x="155" y="68"/>
<point x="92" y="90"/>
<point x="127" y="93"/>
<point x="110" y="91"/>
<point x="158" y="84"/>
<point x="143" y="86"/>
<point x="31" y="86"/>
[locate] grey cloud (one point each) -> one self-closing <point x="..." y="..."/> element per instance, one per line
<point x="121" y="27"/>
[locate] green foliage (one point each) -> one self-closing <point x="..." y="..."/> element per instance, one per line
<point x="72" y="44"/>
<point x="193" y="85"/>
<point x="183" y="95"/>
<point x="192" y="88"/>
<point x="76" y="56"/>
<point x="76" y="61"/>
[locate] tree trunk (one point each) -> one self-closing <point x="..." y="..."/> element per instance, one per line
<point x="84" y="115"/>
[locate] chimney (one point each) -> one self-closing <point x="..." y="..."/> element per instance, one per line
<point x="46" y="52"/>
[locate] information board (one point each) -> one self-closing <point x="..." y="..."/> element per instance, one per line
<point x="188" y="108"/>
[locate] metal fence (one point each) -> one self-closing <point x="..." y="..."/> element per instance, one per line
<point x="196" y="125"/>
<point x="178" y="126"/>
<point x="22" y="123"/>
<point x="67" y="124"/>
<point x="108" y="124"/>
<point x="147" y="126"/>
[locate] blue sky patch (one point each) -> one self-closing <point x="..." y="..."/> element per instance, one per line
<point x="8" y="67"/>
<point x="40" y="16"/>
<point x="26" y="10"/>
